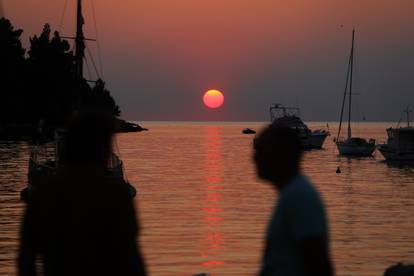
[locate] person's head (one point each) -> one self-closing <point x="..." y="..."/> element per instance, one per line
<point x="88" y="138"/>
<point x="277" y="154"/>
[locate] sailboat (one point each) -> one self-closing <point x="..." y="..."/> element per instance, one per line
<point x="352" y="145"/>
<point x="44" y="158"/>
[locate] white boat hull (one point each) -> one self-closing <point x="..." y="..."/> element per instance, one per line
<point x="390" y="154"/>
<point x="354" y="149"/>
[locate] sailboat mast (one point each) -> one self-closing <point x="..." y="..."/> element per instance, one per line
<point x="345" y="90"/>
<point x="80" y="43"/>
<point x="350" y="86"/>
<point x="344" y="98"/>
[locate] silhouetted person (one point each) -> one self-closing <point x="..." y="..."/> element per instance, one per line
<point x="81" y="221"/>
<point x="297" y="242"/>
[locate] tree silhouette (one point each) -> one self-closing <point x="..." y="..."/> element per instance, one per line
<point x="50" y="78"/>
<point x="99" y="96"/>
<point x="43" y="85"/>
<point x="11" y="72"/>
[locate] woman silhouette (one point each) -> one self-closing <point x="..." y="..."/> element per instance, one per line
<point x="81" y="221"/>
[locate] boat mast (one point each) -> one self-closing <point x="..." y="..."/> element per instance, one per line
<point x="80" y="43"/>
<point x="350" y="85"/>
<point x="408" y="111"/>
<point x="344" y="98"/>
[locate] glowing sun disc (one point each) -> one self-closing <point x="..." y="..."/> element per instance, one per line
<point x="213" y="98"/>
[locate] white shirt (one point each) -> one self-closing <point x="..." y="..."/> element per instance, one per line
<point x="299" y="214"/>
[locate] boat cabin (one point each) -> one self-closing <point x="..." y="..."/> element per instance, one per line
<point x="401" y="139"/>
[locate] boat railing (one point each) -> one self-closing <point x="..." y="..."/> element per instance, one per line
<point x="279" y="111"/>
<point x="114" y="161"/>
<point x="115" y="165"/>
<point x="43" y="154"/>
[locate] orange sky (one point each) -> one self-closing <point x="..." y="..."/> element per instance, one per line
<point x="232" y="45"/>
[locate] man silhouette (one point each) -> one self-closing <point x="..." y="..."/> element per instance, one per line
<point x="297" y="242"/>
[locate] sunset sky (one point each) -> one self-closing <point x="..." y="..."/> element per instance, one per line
<point x="160" y="56"/>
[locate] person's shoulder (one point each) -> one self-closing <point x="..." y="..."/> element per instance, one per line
<point x="305" y="209"/>
<point x="299" y="184"/>
<point x="301" y="189"/>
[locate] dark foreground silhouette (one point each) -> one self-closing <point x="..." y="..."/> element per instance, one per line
<point x="400" y="270"/>
<point x="297" y="241"/>
<point x="82" y="222"/>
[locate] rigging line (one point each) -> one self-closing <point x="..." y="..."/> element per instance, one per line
<point x="63" y="16"/>
<point x="88" y="69"/>
<point x="93" y="62"/>
<point x="399" y="121"/>
<point x="357" y="89"/>
<point x="97" y="38"/>
<point x="350" y="84"/>
<point x="344" y="97"/>
<point x="357" y="118"/>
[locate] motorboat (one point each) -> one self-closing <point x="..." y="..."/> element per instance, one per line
<point x="400" y="143"/>
<point x="290" y="117"/>
<point x="248" y="131"/>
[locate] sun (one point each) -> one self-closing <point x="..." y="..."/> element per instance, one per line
<point x="213" y="98"/>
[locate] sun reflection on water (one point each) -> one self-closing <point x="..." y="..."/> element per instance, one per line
<point x="212" y="242"/>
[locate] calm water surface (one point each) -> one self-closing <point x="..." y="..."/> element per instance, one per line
<point x="202" y="209"/>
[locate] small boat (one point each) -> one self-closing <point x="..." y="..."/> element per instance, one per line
<point x="290" y="117"/>
<point x="352" y="145"/>
<point x="44" y="156"/>
<point x="400" y="143"/>
<point x="44" y="161"/>
<point x="356" y="146"/>
<point x="248" y="131"/>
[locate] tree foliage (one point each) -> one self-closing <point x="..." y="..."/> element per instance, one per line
<point x="50" y="78"/>
<point x="43" y="83"/>
<point x="12" y="62"/>
<point x="99" y="96"/>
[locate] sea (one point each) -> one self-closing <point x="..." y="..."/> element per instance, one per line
<point x="203" y="209"/>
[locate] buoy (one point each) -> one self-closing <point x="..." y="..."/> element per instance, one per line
<point x="338" y="170"/>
